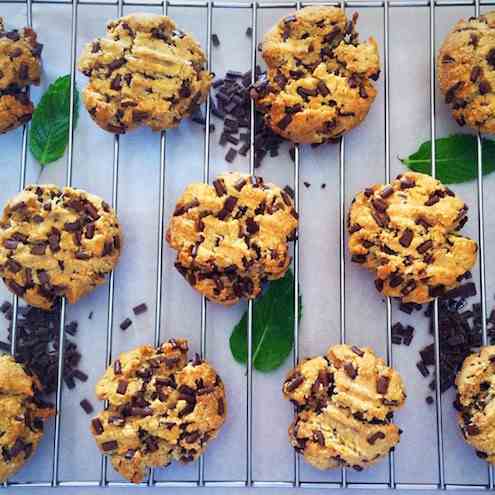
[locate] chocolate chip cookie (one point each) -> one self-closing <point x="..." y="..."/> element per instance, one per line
<point x="466" y="72"/>
<point x="319" y="83"/>
<point x="475" y="384"/>
<point x="345" y="402"/>
<point x="406" y="232"/>
<point x="22" y="415"/>
<point x="57" y="242"/>
<point x="20" y="66"/>
<point x="232" y="236"/>
<point x="144" y="72"/>
<point x="160" y="408"/>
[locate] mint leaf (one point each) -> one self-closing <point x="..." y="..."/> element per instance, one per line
<point x="49" y="133"/>
<point x="456" y="158"/>
<point x="273" y="327"/>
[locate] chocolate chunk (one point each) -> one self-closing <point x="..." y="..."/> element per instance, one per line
<point x="323" y="89"/>
<point x="294" y="382"/>
<point x="475" y="73"/>
<point x="407" y="183"/>
<point x="395" y="280"/>
<point x="219" y="186"/>
<point x="285" y="121"/>
<point x="408" y="288"/>
<point x="406" y="238"/>
<point x="472" y="430"/>
<point x="357" y="350"/>
<point x="319" y="438"/>
<point x="350" y="371"/>
<point x="382" y="384"/>
<point x="220" y="407"/>
<point x="110" y="445"/>
<point x="122" y="387"/>
<point x="116" y="64"/>
<point x="378" y="435"/>
<point x="484" y="87"/>
<point x="228" y="207"/>
<point x="422" y="368"/>
<point x="425" y="246"/>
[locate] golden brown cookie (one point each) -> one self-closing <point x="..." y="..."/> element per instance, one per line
<point x="466" y="72"/>
<point x="232" y="236"/>
<point x="406" y="232"/>
<point x="20" y="66"/>
<point x="319" y="83"/>
<point x="345" y="402"/>
<point x="57" y="242"/>
<point x="22" y="415"/>
<point x="144" y="72"/>
<point x="475" y="384"/>
<point x="161" y="408"/>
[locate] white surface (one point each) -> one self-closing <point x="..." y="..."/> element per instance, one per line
<point x="416" y="456"/>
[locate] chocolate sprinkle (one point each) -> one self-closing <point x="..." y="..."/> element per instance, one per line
<point x="86" y="406"/>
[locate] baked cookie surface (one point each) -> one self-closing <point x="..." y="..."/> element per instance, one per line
<point x="475" y="384"/>
<point x="466" y="72"/>
<point x="232" y="236"/>
<point x="144" y="72"/>
<point x="57" y="242"/>
<point x="319" y="83"/>
<point x="406" y="233"/>
<point x="21" y="416"/>
<point x="161" y="408"/>
<point x="345" y="402"/>
<point x="20" y="66"/>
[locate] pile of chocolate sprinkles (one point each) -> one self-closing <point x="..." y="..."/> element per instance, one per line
<point x="460" y="334"/>
<point x="37" y="344"/>
<point x="231" y="103"/>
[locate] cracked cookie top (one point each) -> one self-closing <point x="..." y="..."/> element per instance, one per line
<point x="345" y="402"/>
<point x="160" y="408"/>
<point x="466" y="72"/>
<point x="22" y="415"/>
<point x="20" y="66"/>
<point x="144" y="72"/>
<point x="406" y="232"/>
<point x="57" y="242"/>
<point x="319" y="83"/>
<point x="475" y="384"/>
<point x="232" y="236"/>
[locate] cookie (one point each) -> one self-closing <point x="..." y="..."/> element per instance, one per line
<point x="232" y="236"/>
<point x="20" y="66"/>
<point x="345" y="403"/>
<point x="406" y="233"/>
<point x="466" y="72"/>
<point x="57" y="242"/>
<point x="22" y="415"/>
<point x="160" y="408"/>
<point x="475" y="384"/>
<point x="319" y="83"/>
<point x="144" y="72"/>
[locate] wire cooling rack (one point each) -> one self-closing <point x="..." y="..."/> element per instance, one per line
<point x="209" y="10"/>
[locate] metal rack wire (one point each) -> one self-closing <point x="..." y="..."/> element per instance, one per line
<point x="210" y="7"/>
